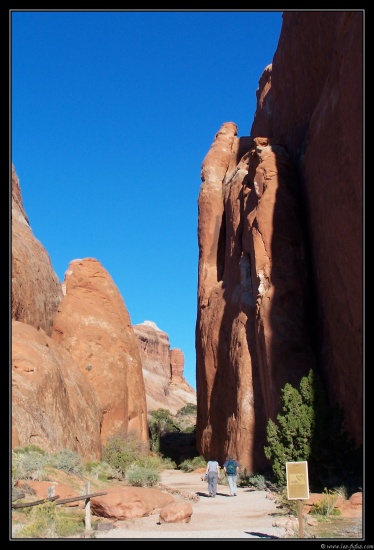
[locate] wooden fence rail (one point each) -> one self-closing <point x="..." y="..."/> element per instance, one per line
<point x="61" y="501"/>
<point x="26" y="504"/>
<point x="54" y="499"/>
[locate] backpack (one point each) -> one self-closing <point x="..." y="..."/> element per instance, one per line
<point x="231" y="468"/>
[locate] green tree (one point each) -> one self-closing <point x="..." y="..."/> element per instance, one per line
<point x="294" y="436"/>
<point x="120" y="452"/>
<point x="160" y="422"/>
<point x="308" y="428"/>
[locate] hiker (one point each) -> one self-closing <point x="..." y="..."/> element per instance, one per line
<point x="212" y="471"/>
<point x="231" y="468"/>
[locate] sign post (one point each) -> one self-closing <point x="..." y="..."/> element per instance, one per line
<point x="298" y="487"/>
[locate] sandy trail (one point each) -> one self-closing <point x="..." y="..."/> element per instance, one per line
<point x="248" y="515"/>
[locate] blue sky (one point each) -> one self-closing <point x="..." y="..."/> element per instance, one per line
<point x="112" y="114"/>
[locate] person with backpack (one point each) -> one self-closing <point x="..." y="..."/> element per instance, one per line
<point x="212" y="471"/>
<point x="231" y="468"/>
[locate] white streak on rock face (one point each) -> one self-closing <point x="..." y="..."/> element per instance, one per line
<point x="151" y="324"/>
<point x="257" y="189"/>
<point x="264" y="283"/>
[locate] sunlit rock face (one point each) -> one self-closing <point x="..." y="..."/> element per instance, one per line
<point x="165" y="385"/>
<point x="93" y="325"/>
<point x="77" y="364"/>
<point x="36" y="290"/>
<point x="53" y="407"/>
<point x="252" y="330"/>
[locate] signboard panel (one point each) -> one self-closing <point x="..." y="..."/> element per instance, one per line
<point x="297" y="480"/>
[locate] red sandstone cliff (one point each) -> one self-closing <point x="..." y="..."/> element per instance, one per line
<point x="314" y="105"/>
<point x="165" y="385"/>
<point x="77" y="371"/>
<point x="280" y="241"/>
<point x="93" y="325"/>
<point x="36" y="290"/>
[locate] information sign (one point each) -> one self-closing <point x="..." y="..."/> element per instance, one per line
<point x="297" y="480"/>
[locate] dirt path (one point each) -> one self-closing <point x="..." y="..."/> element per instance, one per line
<point x="248" y="515"/>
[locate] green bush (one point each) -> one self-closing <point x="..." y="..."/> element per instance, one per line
<point x="49" y="521"/>
<point x="168" y="464"/>
<point x="68" y="461"/>
<point x="28" y="449"/>
<point x="122" y="451"/>
<point x="140" y="476"/>
<point x="326" y="506"/>
<point x="308" y="429"/>
<point x="160" y="422"/>
<point x="99" y="470"/>
<point x="152" y="462"/>
<point x="42" y="522"/>
<point x="163" y="421"/>
<point x="290" y="439"/>
<point x="29" y="465"/>
<point x="257" y="481"/>
<point x="187" y="410"/>
<point x="190" y="465"/>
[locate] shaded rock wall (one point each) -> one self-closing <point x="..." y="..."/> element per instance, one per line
<point x="314" y="106"/>
<point x="280" y="241"/>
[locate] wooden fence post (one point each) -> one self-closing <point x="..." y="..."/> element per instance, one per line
<point x="300" y="516"/>
<point x="87" y="506"/>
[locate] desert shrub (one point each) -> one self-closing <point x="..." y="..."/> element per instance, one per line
<point x="16" y="469"/>
<point x="153" y="462"/>
<point x="28" y="449"/>
<point x="187" y="410"/>
<point x="168" y="463"/>
<point x="186" y="418"/>
<point x="122" y="451"/>
<point x="99" y="470"/>
<point x="48" y="521"/>
<point x="141" y="476"/>
<point x="257" y="481"/>
<point x="291" y="506"/>
<point x="92" y="467"/>
<point x="42" y="522"/>
<point x="189" y="429"/>
<point x="342" y="491"/>
<point x="326" y="506"/>
<point x="189" y="465"/>
<point x="186" y="465"/>
<point x="29" y="465"/>
<point x="198" y="462"/>
<point x="68" y="461"/>
<point x="68" y="526"/>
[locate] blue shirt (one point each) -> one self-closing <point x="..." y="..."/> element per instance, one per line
<point x="235" y="463"/>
